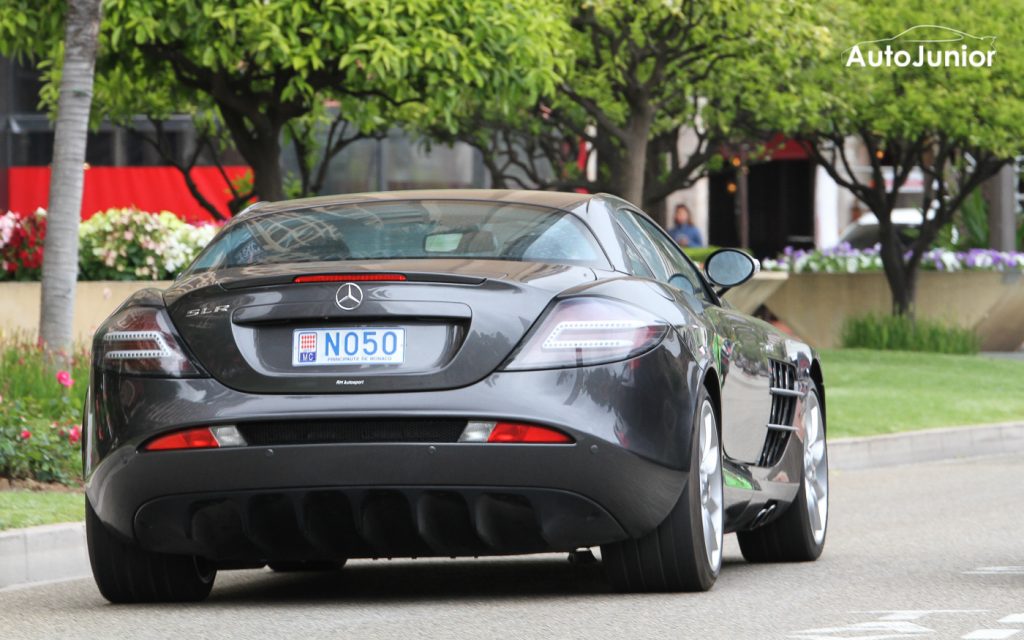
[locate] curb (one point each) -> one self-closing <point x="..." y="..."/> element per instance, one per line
<point x="42" y="554"/>
<point x="58" y="551"/>
<point x="926" y="445"/>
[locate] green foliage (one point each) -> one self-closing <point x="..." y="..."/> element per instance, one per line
<point x="982" y="106"/>
<point x="903" y="333"/>
<point x="699" y="254"/>
<point x="639" y="72"/>
<point x="39" y="416"/>
<point x="33" y="508"/>
<point x="969" y="228"/>
<point x="251" y="68"/>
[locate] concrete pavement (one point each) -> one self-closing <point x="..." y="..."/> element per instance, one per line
<point x="919" y="551"/>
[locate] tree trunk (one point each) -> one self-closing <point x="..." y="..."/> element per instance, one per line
<point x="901" y="278"/>
<point x="60" y="264"/>
<point x="260" y="145"/>
<point x="266" y="171"/>
<point x="630" y="170"/>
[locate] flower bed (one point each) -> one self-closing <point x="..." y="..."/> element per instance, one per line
<point x="40" y="414"/>
<point x="845" y="259"/>
<point x="118" y="244"/>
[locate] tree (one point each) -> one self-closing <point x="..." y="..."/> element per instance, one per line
<point x="957" y="124"/>
<point x="60" y="264"/>
<point x="643" y="73"/>
<point x="265" y="71"/>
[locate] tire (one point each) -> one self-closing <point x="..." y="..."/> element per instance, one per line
<point x="299" y="566"/>
<point x="126" y="573"/>
<point x="797" y="536"/>
<point x="675" y="557"/>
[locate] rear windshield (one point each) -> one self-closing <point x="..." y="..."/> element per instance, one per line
<point x="405" y="229"/>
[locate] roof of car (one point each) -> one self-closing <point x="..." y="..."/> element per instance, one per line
<point x="554" y="199"/>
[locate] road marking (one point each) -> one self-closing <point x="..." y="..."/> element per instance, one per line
<point x="887" y="629"/>
<point x="917" y="614"/>
<point x="996" y="571"/>
<point x="897" y="623"/>
<point x="1013" y="618"/>
<point x="990" y="634"/>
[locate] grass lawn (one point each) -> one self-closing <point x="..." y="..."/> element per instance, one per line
<point x="31" y="508"/>
<point x="873" y="392"/>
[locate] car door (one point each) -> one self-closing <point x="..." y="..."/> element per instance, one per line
<point x="739" y="341"/>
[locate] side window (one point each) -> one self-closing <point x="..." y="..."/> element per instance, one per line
<point x="636" y="264"/>
<point x="674" y="259"/>
<point x="643" y="243"/>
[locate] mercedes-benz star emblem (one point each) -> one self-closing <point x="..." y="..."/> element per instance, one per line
<point x="349" y="296"/>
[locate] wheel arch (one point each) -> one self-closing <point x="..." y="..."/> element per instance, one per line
<point x="819" y="381"/>
<point x="713" y="386"/>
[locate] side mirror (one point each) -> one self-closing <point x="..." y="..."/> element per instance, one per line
<point x="730" y="268"/>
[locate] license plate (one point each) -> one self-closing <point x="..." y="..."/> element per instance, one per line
<point x="320" y="347"/>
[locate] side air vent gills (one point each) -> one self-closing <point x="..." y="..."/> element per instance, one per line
<point x="780" y="421"/>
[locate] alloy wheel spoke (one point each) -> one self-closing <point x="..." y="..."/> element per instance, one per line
<point x="817" y="451"/>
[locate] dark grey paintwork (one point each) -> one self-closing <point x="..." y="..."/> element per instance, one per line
<point x="630" y="419"/>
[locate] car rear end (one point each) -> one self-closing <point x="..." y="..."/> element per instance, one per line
<point x="405" y="378"/>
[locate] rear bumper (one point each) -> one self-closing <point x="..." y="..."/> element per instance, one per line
<point x="373" y="500"/>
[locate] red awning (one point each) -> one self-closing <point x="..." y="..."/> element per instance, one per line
<point x="147" y="188"/>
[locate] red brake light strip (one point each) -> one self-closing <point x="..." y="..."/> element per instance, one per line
<point x="351" y="277"/>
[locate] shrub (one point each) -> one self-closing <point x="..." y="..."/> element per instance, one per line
<point x="901" y="333"/>
<point x="699" y="254"/>
<point x="40" y="413"/>
<point x="21" y="245"/>
<point x="128" y="244"/>
<point x="117" y="244"/>
<point x="31" y="448"/>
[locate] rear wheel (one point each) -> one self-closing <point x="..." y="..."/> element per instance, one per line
<point x="799" y="534"/>
<point x="685" y="552"/>
<point x="126" y="573"/>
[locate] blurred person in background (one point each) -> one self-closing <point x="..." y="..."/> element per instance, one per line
<point x="684" y="232"/>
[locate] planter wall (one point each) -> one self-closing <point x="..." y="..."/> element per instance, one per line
<point x="815" y="305"/>
<point x="749" y="296"/>
<point x="94" y="301"/>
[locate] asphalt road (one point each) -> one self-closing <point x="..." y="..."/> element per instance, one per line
<point x="924" y="551"/>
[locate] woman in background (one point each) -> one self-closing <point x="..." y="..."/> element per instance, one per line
<point x="684" y="232"/>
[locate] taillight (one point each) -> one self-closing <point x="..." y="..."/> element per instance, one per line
<point x="140" y="341"/>
<point x="586" y="331"/>
<point x="198" y="438"/>
<point x="512" y="432"/>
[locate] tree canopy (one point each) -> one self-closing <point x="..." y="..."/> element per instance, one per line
<point x="642" y="72"/>
<point x="957" y="123"/>
<point x="266" y="68"/>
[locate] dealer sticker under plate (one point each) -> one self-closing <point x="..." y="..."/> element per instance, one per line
<point x="318" y="347"/>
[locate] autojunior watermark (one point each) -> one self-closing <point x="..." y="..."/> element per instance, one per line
<point x="924" y="45"/>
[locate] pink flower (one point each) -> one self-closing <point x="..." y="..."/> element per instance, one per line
<point x="64" y="378"/>
<point x="75" y="434"/>
<point x="25" y="434"/>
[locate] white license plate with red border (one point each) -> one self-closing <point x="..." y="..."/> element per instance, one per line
<point x="332" y="347"/>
